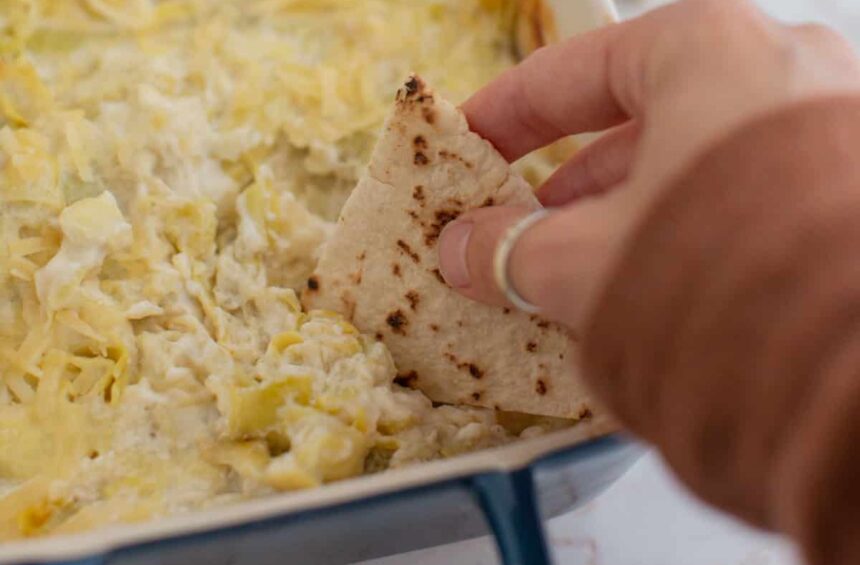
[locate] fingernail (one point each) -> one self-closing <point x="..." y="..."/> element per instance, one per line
<point x="453" y="244"/>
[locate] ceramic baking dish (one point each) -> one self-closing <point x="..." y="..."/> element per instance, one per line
<point x="509" y="491"/>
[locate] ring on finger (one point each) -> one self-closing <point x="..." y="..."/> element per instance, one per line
<point x="501" y="260"/>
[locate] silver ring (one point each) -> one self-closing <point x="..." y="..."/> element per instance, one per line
<point x="501" y="270"/>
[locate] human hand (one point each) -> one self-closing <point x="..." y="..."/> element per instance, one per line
<point x="668" y="85"/>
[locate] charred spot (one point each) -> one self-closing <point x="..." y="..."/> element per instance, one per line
<point x="395" y="269"/>
<point x="412" y="85"/>
<point x="313" y="283"/>
<point x="441" y="219"/>
<point x="397" y="321"/>
<point x="418" y="193"/>
<point x="455" y="157"/>
<point x="434" y="327"/>
<point x="420" y="159"/>
<point x="531" y="347"/>
<point x="406" y="379"/>
<point x="471" y="368"/>
<point x="429" y="115"/>
<point x="419" y="142"/>
<point x="408" y="250"/>
<point x="438" y="274"/>
<point x="488" y="202"/>
<point x="540" y="387"/>
<point x="476" y="396"/>
<point x="413" y="298"/>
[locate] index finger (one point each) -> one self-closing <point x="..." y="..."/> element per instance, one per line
<point x="559" y="90"/>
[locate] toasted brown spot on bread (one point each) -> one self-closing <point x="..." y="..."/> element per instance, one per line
<point x="362" y="256"/>
<point x="540" y="387"/>
<point x="408" y="250"/>
<point x="429" y="115"/>
<point x="488" y="202"/>
<point x="313" y="283"/>
<point x="378" y="336"/>
<point x="406" y="379"/>
<point x="474" y="371"/>
<point x="420" y="159"/>
<point x="434" y="327"/>
<point x="413" y="298"/>
<point x="476" y="396"/>
<point x="467" y="366"/>
<point x="441" y="219"/>
<point x="455" y="157"/>
<point x="419" y="142"/>
<point x="438" y="274"/>
<point x="412" y="85"/>
<point x="418" y="194"/>
<point x="397" y="321"/>
<point x="531" y="347"/>
<point x="506" y="310"/>
<point x="543" y="324"/>
<point x="395" y="269"/>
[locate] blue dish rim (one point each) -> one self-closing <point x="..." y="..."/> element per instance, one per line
<point x="471" y="482"/>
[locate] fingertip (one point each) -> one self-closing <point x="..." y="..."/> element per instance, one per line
<point x="453" y="251"/>
<point x="467" y="248"/>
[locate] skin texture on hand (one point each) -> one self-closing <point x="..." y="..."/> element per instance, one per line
<point x="729" y="334"/>
<point x="704" y="247"/>
<point x="671" y="83"/>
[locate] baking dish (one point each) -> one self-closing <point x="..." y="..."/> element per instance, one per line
<point x="372" y="516"/>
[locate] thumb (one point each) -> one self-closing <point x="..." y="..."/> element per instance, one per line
<point x="558" y="264"/>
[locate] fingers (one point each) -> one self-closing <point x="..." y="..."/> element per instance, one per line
<point x="593" y="170"/>
<point x="558" y="264"/>
<point x="558" y="90"/>
<point x="604" y="78"/>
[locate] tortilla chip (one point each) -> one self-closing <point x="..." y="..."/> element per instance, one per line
<point x="380" y="269"/>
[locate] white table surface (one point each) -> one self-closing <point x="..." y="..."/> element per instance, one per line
<point x="647" y="518"/>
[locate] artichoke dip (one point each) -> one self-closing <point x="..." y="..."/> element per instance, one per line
<point x="168" y="173"/>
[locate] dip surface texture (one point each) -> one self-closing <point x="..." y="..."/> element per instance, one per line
<point x="168" y="173"/>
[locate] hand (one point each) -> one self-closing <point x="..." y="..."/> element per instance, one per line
<point x="667" y="86"/>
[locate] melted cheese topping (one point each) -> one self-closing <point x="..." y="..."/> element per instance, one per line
<point x="168" y="171"/>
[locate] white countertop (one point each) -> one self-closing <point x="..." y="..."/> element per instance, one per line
<point x="646" y="518"/>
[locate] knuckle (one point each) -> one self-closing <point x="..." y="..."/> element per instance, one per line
<point x="725" y="12"/>
<point x="823" y="36"/>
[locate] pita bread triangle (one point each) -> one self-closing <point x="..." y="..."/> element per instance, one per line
<point x="380" y="269"/>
